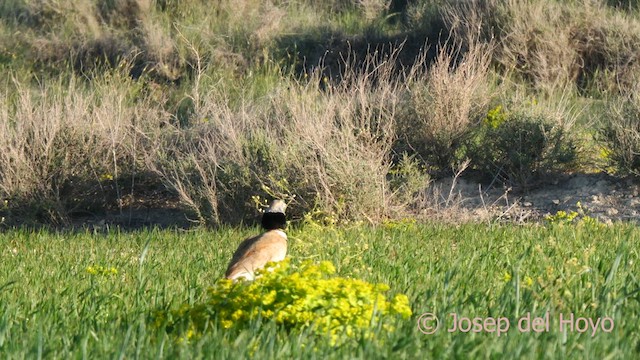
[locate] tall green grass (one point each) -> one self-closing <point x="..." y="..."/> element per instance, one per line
<point x="105" y="103"/>
<point x="53" y="305"/>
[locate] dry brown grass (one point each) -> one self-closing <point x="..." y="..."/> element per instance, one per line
<point x="218" y="113"/>
<point x="551" y="44"/>
<point x="555" y="43"/>
<point x="331" y="149"/>
<point x="331" y="146"/>
<point x="445" y="103"/>
<point x="620" y="129"/>
<point x="61" y="145"/>
<point x="328" y="145"/>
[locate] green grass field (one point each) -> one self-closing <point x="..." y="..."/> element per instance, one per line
<point x="54" y="304"/>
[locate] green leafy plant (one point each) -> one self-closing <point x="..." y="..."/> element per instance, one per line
<point x="407" y="178"/>
<point x="518" y="147"/>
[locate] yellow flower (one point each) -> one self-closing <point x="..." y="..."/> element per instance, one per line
<point x="528" y="281"/>
<point x="506" y="277"/>
<point x="495" y="117"/>
<point x="226" y="324"/>
<point x="269" y="298"/>
<point x="400" y="305"/>
<point x="327" y="267"/>
<point x="605" y="153"/>
<point x="101" y="270"/>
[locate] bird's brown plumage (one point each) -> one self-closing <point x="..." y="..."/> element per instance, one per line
<point x="254" y="253"/>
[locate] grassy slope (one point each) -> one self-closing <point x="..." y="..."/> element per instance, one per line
<point x="51" y="306"/>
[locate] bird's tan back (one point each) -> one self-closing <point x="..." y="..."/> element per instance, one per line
<point x="255" y="252"/>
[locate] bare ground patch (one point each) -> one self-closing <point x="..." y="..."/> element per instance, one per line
<point x="604" y="197"/>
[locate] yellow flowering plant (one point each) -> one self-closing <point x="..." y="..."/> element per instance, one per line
<point x="562" y="217"/>
<point x="307" y="296"/>
<point x="495" y="117"/>
<point x="101" y="270"/>
<point x="579" y="218"/>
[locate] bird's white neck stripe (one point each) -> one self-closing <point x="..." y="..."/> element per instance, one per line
<point x="281" y="233"/>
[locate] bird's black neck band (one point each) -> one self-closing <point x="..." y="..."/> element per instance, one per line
<point x="274" y="220"/>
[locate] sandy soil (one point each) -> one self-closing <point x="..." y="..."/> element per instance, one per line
<point x="602" y="196"/>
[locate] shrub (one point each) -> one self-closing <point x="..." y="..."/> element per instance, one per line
<point x="295" y="297"/>
<point x="443" y="109"/>
<point x="621" y="134"/>
<point x="330" y="148"/>
<point x="547" y="43"/>
<point x="519" y="147"/>
<point x="555" y="43"/>
<point x="407" y="178"/>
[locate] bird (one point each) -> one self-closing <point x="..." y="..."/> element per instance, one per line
<point x="253" y="253"/>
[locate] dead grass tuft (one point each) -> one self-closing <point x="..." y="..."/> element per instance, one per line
<point x="445" y="104"/>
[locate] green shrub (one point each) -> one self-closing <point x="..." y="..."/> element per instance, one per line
<point x="519" y="147"/>
<point x="406" y="178"/>
<point x="295" y="297"/>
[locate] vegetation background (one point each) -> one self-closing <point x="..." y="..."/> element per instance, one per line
<point x="353" y="107"/>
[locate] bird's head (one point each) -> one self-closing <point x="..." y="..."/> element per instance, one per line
<point x="274" y="216"/>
